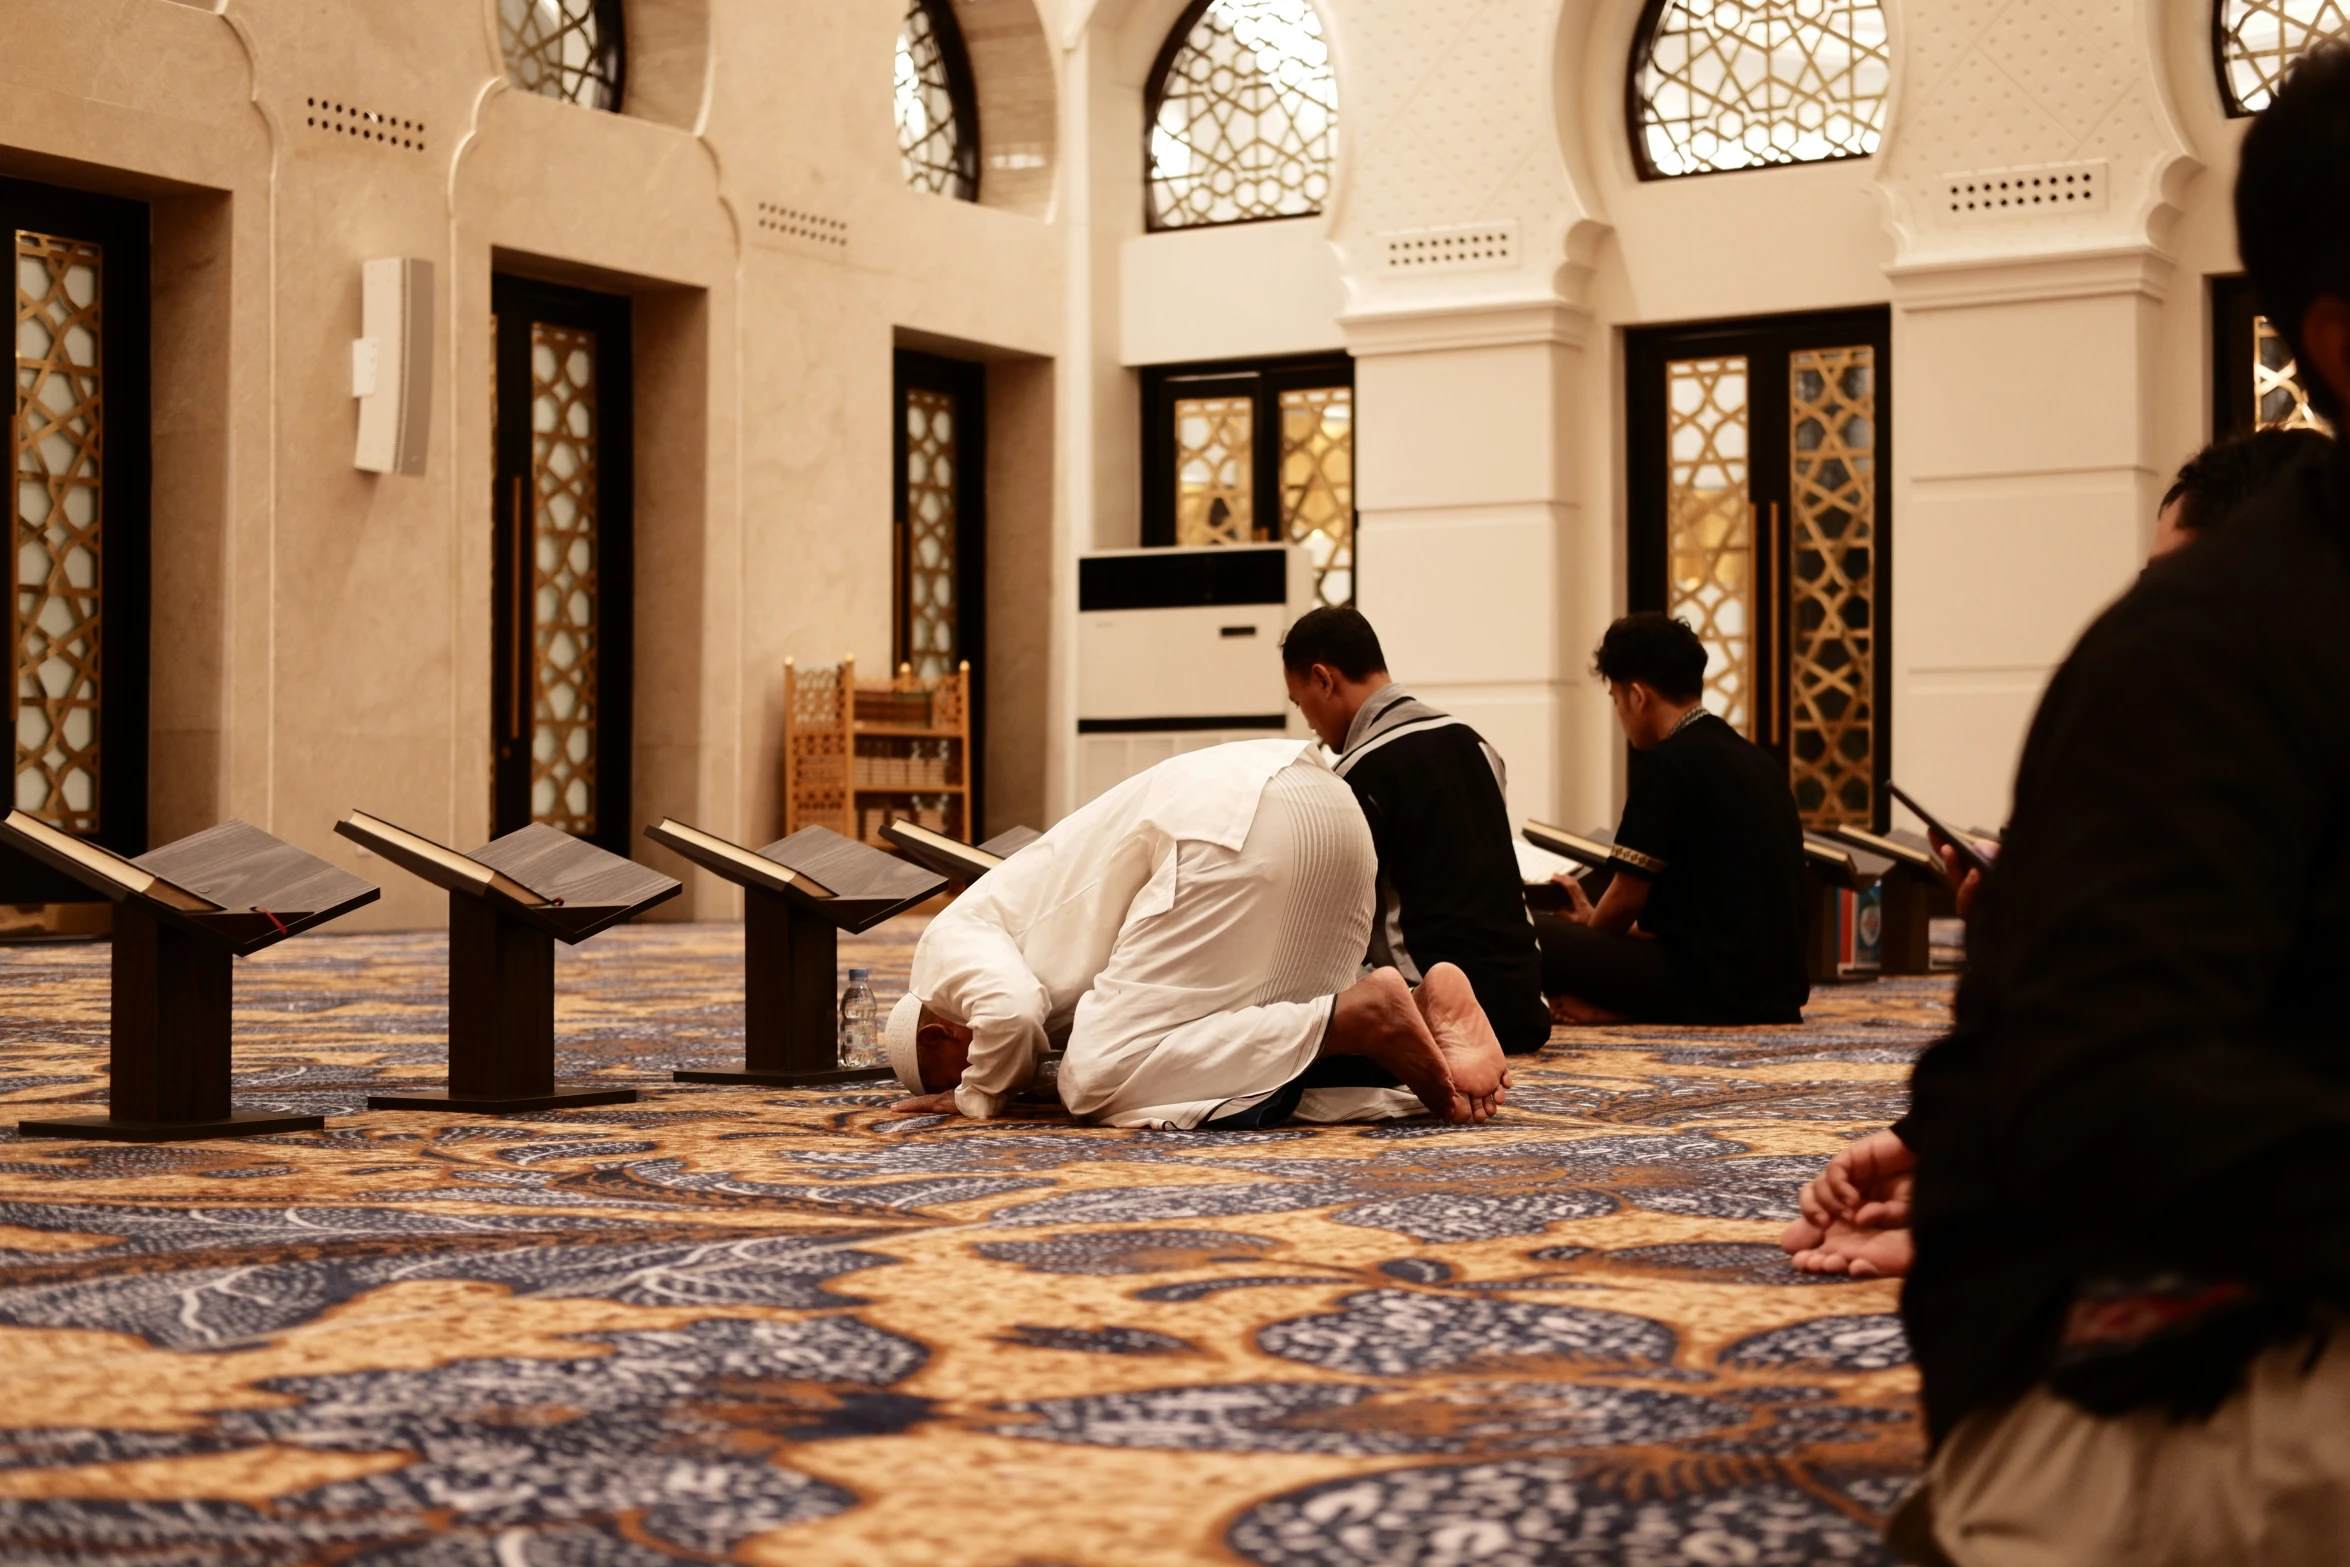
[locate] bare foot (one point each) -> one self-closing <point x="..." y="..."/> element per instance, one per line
<point x="1849" y="1249"/>
<point x="1375" y="1017"/>
<point x="1479" y="1071"/>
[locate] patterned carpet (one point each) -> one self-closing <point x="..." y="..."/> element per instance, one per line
<point x="758" y="1326"/>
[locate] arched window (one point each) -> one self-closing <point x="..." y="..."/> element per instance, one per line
<point x="1743" y="84"/>
<point x="567" y="49"/>
<point x="2256" y="41"/>
<point x="938" y="116"/>
<point x="1243" y="115"/>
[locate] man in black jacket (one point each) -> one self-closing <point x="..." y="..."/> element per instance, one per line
<point x="1433" y="790"/>
<point x="2132" y="1190"/>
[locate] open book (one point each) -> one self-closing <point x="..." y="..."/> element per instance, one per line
<point x="1917" y="856"/>
<point x="1583" y="848"/>
<point x="1970" y="854"/>
<point x="436" y="863"/>
<point x="949" y="857"/>
<point x="101" y="869"/>
<point x="732" y="860"/>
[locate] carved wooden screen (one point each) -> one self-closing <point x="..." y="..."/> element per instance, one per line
<point x="1758" y="516"/>
<point x="562" y="636"/>
<point x="77" y="556"/>
<point x="2254" y="42"/>
<point x="1242" y="121"/>
<point x="1251" y="454"/>
<point x="1718" y="85"/>
<point x="936" y="107"/>
<point x="575" y="50"/>
<point x="940" y="540"/>
<point x="2255" y="384"/>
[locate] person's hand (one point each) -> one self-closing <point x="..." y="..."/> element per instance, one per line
<point x="1968" y="884"/>
<point x="1580" y="908"/>
<point x="1866" y="1185"/>
<point x="927" y="1104"/>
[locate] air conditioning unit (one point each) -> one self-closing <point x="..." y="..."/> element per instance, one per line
<point x="1178" y="649"/>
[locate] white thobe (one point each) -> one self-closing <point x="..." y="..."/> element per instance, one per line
<point x="1184" y="933"/>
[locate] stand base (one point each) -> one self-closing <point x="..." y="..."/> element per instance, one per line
<point x="105" y="1128"/>
<point x="463" y="1105"/>
<point x="854" y="1074"/>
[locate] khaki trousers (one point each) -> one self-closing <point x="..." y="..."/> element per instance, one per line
<point x="2265" y="1482"/>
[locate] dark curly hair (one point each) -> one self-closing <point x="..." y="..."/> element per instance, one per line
<point x="1656" y="649"/>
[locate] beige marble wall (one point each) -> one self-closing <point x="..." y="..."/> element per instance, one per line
<point x="322" y="634"/>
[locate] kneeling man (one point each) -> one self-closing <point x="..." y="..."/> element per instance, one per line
<point x="1195" y="936"/>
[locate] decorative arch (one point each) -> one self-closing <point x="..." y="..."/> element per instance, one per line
<point x="937" y="110"/>
<point x="2255" y="42"/>
<point x="1720" y="85"/>
<point x="575" y="50"/>
<point x="1242" y="117"/>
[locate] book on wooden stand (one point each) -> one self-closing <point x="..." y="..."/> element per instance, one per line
<point x="510" y="901"/>
<point x="799" y="894"/>
<point x="1916" y="891"/>
<point x="1845" y="940"/>
<point x="183" y="914"/>
<point x="959" y="862"/>
<point x="1591" y="857"/>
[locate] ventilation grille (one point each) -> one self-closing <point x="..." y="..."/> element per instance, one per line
<point x="778" y="224"/>
<point x="2012" y="193"/>
<point x="331" y="117"/>
<point x="1474" y="247"/>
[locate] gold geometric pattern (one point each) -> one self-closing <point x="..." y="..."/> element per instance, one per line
<point x="57" y="433"/>
<point x="938" y="151"/>
<point x="565" y="634"/>
<point x="2260" y="39"/>
<point x="567" y="49"/>
<point x="1247" y="120"/>
<point x="1318" y="484"/>
<point x="1709" y="525"/>
<point x="932" y="642"/>
<point x="1832" y="585"/>
<point x="1738" y="84"/>
<point x="1214" y="466"/>
<point x="2279" y="400"/>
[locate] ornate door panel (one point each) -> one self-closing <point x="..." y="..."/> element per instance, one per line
<point x="1758" y="509"/>
<point x="78" y="517"/>
<point x="940" y="545"/>
<point x="561" y="652"/>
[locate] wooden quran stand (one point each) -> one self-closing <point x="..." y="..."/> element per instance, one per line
<point x="1917" y="892"/>
<point x="959" y="862"/>
<point x="182" y="915"/>
<point x="799" y="894"/>
<point x="510" y="901"/>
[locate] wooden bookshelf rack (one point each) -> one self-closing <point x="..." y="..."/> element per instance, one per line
<point x="857" y="757"/>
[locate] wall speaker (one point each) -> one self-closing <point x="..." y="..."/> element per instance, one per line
<point x="391" y="365"/>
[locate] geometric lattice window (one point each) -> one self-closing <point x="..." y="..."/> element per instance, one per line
<point x="1832" y="585"/>
<point x="1243" y="115"/>
<point x="57" y="435"/>
<point x="937" y="112"/>
<point x="2258" y="41"/>
<point x="1215" y="444"/>
<point x="568" y="49"/>
<point x="932" y="521"/>
<point x="1709" y="525"/>
<point x="566" y="632"/>
<point x="2279" y="400"/>
<point x="1743" y="84"/>
<point x="1318" y="484"/>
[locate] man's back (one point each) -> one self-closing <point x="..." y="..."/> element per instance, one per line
<point x="2148" y="1073"/>
<point x="1449" y="885"/>
<point x="1709" y="819"/>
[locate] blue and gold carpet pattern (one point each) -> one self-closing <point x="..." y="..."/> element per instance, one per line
<point x="779" y="1327"/>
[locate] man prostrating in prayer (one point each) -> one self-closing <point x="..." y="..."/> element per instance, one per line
<point x="1195" y="935"/>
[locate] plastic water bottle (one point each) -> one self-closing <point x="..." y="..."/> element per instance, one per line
<point x="860" y="1034"/>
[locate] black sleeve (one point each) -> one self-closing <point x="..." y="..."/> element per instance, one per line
<point x="1646" y="837"/>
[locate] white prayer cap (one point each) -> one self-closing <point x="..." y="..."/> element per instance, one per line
<point x="904" y="1020"/>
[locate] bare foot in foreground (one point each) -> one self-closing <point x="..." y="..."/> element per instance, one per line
<point x="1848" y="1249"/>
<point x="1479" y="1071"/>
<point x="1376" y="1018"/>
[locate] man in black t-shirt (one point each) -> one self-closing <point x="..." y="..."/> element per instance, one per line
<point x="1432" y="790"/>
<point x="1708" y="860"/>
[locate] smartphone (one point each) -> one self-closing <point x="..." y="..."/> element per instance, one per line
<point x="1969" y="856"/>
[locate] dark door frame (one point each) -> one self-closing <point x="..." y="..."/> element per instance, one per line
<point x="1263" y="380"/>
<point x="966" y="382"/>
<point x="127" y="499"/>
<point x="1770" y="339"/>
<point x="518" y="301"/>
